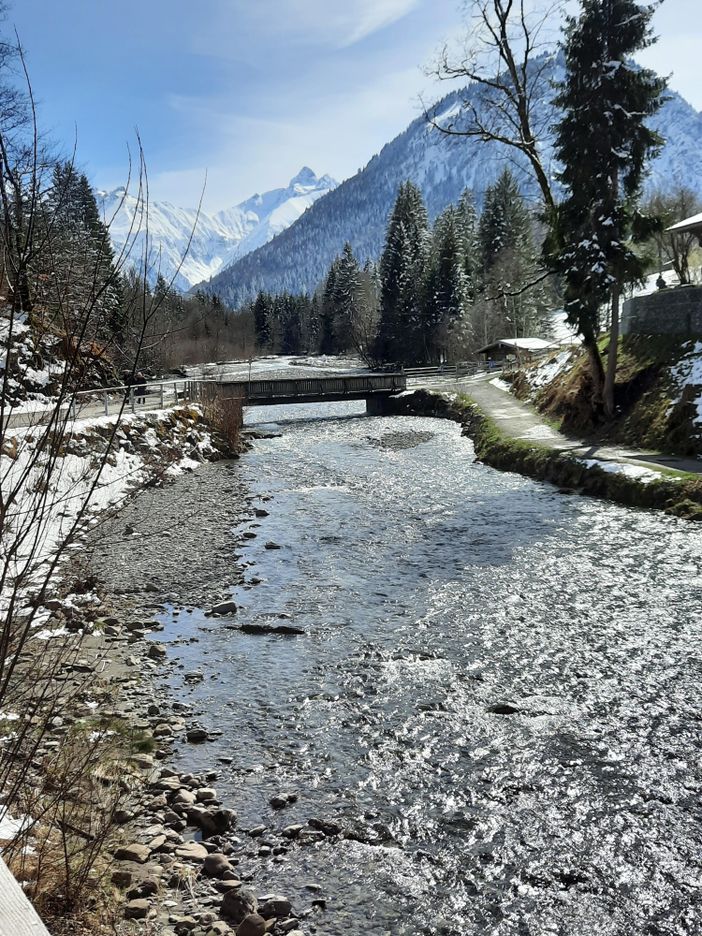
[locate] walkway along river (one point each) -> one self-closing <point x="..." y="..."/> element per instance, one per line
<point x="496" y="694"/>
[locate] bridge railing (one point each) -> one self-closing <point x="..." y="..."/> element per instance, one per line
<point x="109" y="401"/>
<point x="449" y="371"/>
<point x="316" y="386"/>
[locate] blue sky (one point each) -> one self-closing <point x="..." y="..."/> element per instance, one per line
<point x="250" y="90"/>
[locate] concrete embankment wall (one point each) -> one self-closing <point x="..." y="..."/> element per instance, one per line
<point x="672" y="311"/>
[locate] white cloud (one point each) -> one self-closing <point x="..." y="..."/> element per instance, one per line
<point x="336" y="23"/>
<point x="372" y="15"/>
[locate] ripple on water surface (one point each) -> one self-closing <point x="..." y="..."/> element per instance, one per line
<point x="498" y="689"/>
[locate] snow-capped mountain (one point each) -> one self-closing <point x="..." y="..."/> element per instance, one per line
<point x="443" y="167"/>
<point x="216" y="240"/>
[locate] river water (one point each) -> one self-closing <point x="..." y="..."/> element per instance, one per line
<point x="497" y="692"/>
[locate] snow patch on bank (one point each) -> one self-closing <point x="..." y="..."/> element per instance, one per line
<point x="688" y="373"/>
<point x="60" y="494"/>
<point x="638" y="472"/>
<point x="540" y="375"/>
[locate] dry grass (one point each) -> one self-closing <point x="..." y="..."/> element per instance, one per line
<point x="225" y="415"/>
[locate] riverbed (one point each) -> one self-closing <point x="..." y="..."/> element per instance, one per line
<point x="496" y="694"/>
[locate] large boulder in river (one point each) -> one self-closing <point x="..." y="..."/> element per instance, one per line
<point x="238" y="904"/>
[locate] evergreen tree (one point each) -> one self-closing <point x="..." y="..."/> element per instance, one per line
<point x="445" y="291"/>
<point x="262" y="310"/>
<point x="327" y="338"/>
<point x="401" y="275"/>
<point x="468" y="232"/>
<point x="504" y="224"/>
<point x="347" y="300"/>
<point x="508" y="267"/>
<point x="603" y="144"/>
<point x="80" y="249"/>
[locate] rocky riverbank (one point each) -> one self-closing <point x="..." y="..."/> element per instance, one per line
<point x="182" y="864"/>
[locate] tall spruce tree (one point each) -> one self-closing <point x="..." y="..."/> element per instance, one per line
<point x="401" y="274"/>
<point x="468" y="232"/>
<point x="327" y="336"/>
<point x="445" y="297"/>
<point x="603" y="144"/>
<point x="504" y="223"/>
<point x="79" y="244"/>
<point x="509" y="265"/>
<point x="347" y="299"/>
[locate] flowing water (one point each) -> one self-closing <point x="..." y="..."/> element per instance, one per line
<point x="497" y="692"/>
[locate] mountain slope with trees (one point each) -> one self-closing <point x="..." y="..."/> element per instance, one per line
<point x="442" y="168"/>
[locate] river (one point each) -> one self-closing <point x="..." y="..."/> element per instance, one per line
<point x="496" y="695"/>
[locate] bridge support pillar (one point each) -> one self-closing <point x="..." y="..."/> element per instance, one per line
<point x="377" y="405"/>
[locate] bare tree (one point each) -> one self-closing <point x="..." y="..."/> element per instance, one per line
<point x="676" y="248"/>
<point x="504" y="64"/>
<point x="52" y="313"/>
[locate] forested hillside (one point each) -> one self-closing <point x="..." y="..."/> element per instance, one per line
<point x="442" y="167"/>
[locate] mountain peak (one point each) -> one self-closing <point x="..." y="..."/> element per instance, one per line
<point x="305" y="176"/>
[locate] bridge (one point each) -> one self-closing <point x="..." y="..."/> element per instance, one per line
<point x="373" y="388"/>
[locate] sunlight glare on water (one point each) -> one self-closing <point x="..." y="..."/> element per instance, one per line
<point x="497" y="693"/>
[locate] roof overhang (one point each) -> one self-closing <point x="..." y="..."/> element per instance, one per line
<point x="691" y="225"/>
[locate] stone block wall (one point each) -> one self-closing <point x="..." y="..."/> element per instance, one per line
<point x="673" y="311"/>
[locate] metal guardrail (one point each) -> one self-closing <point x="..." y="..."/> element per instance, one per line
<point x="135" y="397"/>
<point x="452" y="371"/>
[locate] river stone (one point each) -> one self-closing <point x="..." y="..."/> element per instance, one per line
<point x="227" y="884"/>
<point x="225" y="607"/>
<point x="275" y="906"/>
<point x="328" y="826"/>
<point x="197" y="735"/>
<point x="503" y="708"/>
<point x="157" y="652"/>
<point x="252" y="925"/>
<point x="205" y="793"/>
<point x="238" y="904"/>
<point x="216" y="864"/>
<point x="136" y="910"/>
<point x="186" y="797"/>
<point x="134" y="852"/>
<point x="271" y="545"/>
<point x="193" y="851"/>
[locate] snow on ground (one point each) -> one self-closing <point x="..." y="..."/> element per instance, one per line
<point x="26" y="382"/>
<point x="84" y="480"/>
<point x="547" y="370"/>
<point x="688" y="372"/>
<point x="501" y="385"/>
<point x="290" y="366"/>
<point x="638" y="472"/>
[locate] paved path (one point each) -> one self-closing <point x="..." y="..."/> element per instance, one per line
<point x="522" y="421"/>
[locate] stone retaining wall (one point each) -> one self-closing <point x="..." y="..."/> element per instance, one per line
<point x="672" y="311"/>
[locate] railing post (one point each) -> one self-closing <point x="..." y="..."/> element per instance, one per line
<point x="175" y="392"/>
<point x="162" y="400"/>
<point x="107" y="404"/>
<point x="131" y="398"/>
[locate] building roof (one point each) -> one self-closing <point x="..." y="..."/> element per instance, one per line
<point x="520" y="344"/>
<point x="693" y="224"/>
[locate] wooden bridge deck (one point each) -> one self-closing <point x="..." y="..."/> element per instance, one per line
<point x="314" y="389"/>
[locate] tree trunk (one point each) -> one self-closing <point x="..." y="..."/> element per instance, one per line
<point x="597" y="374"/>
<point x="611" y="375"/>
